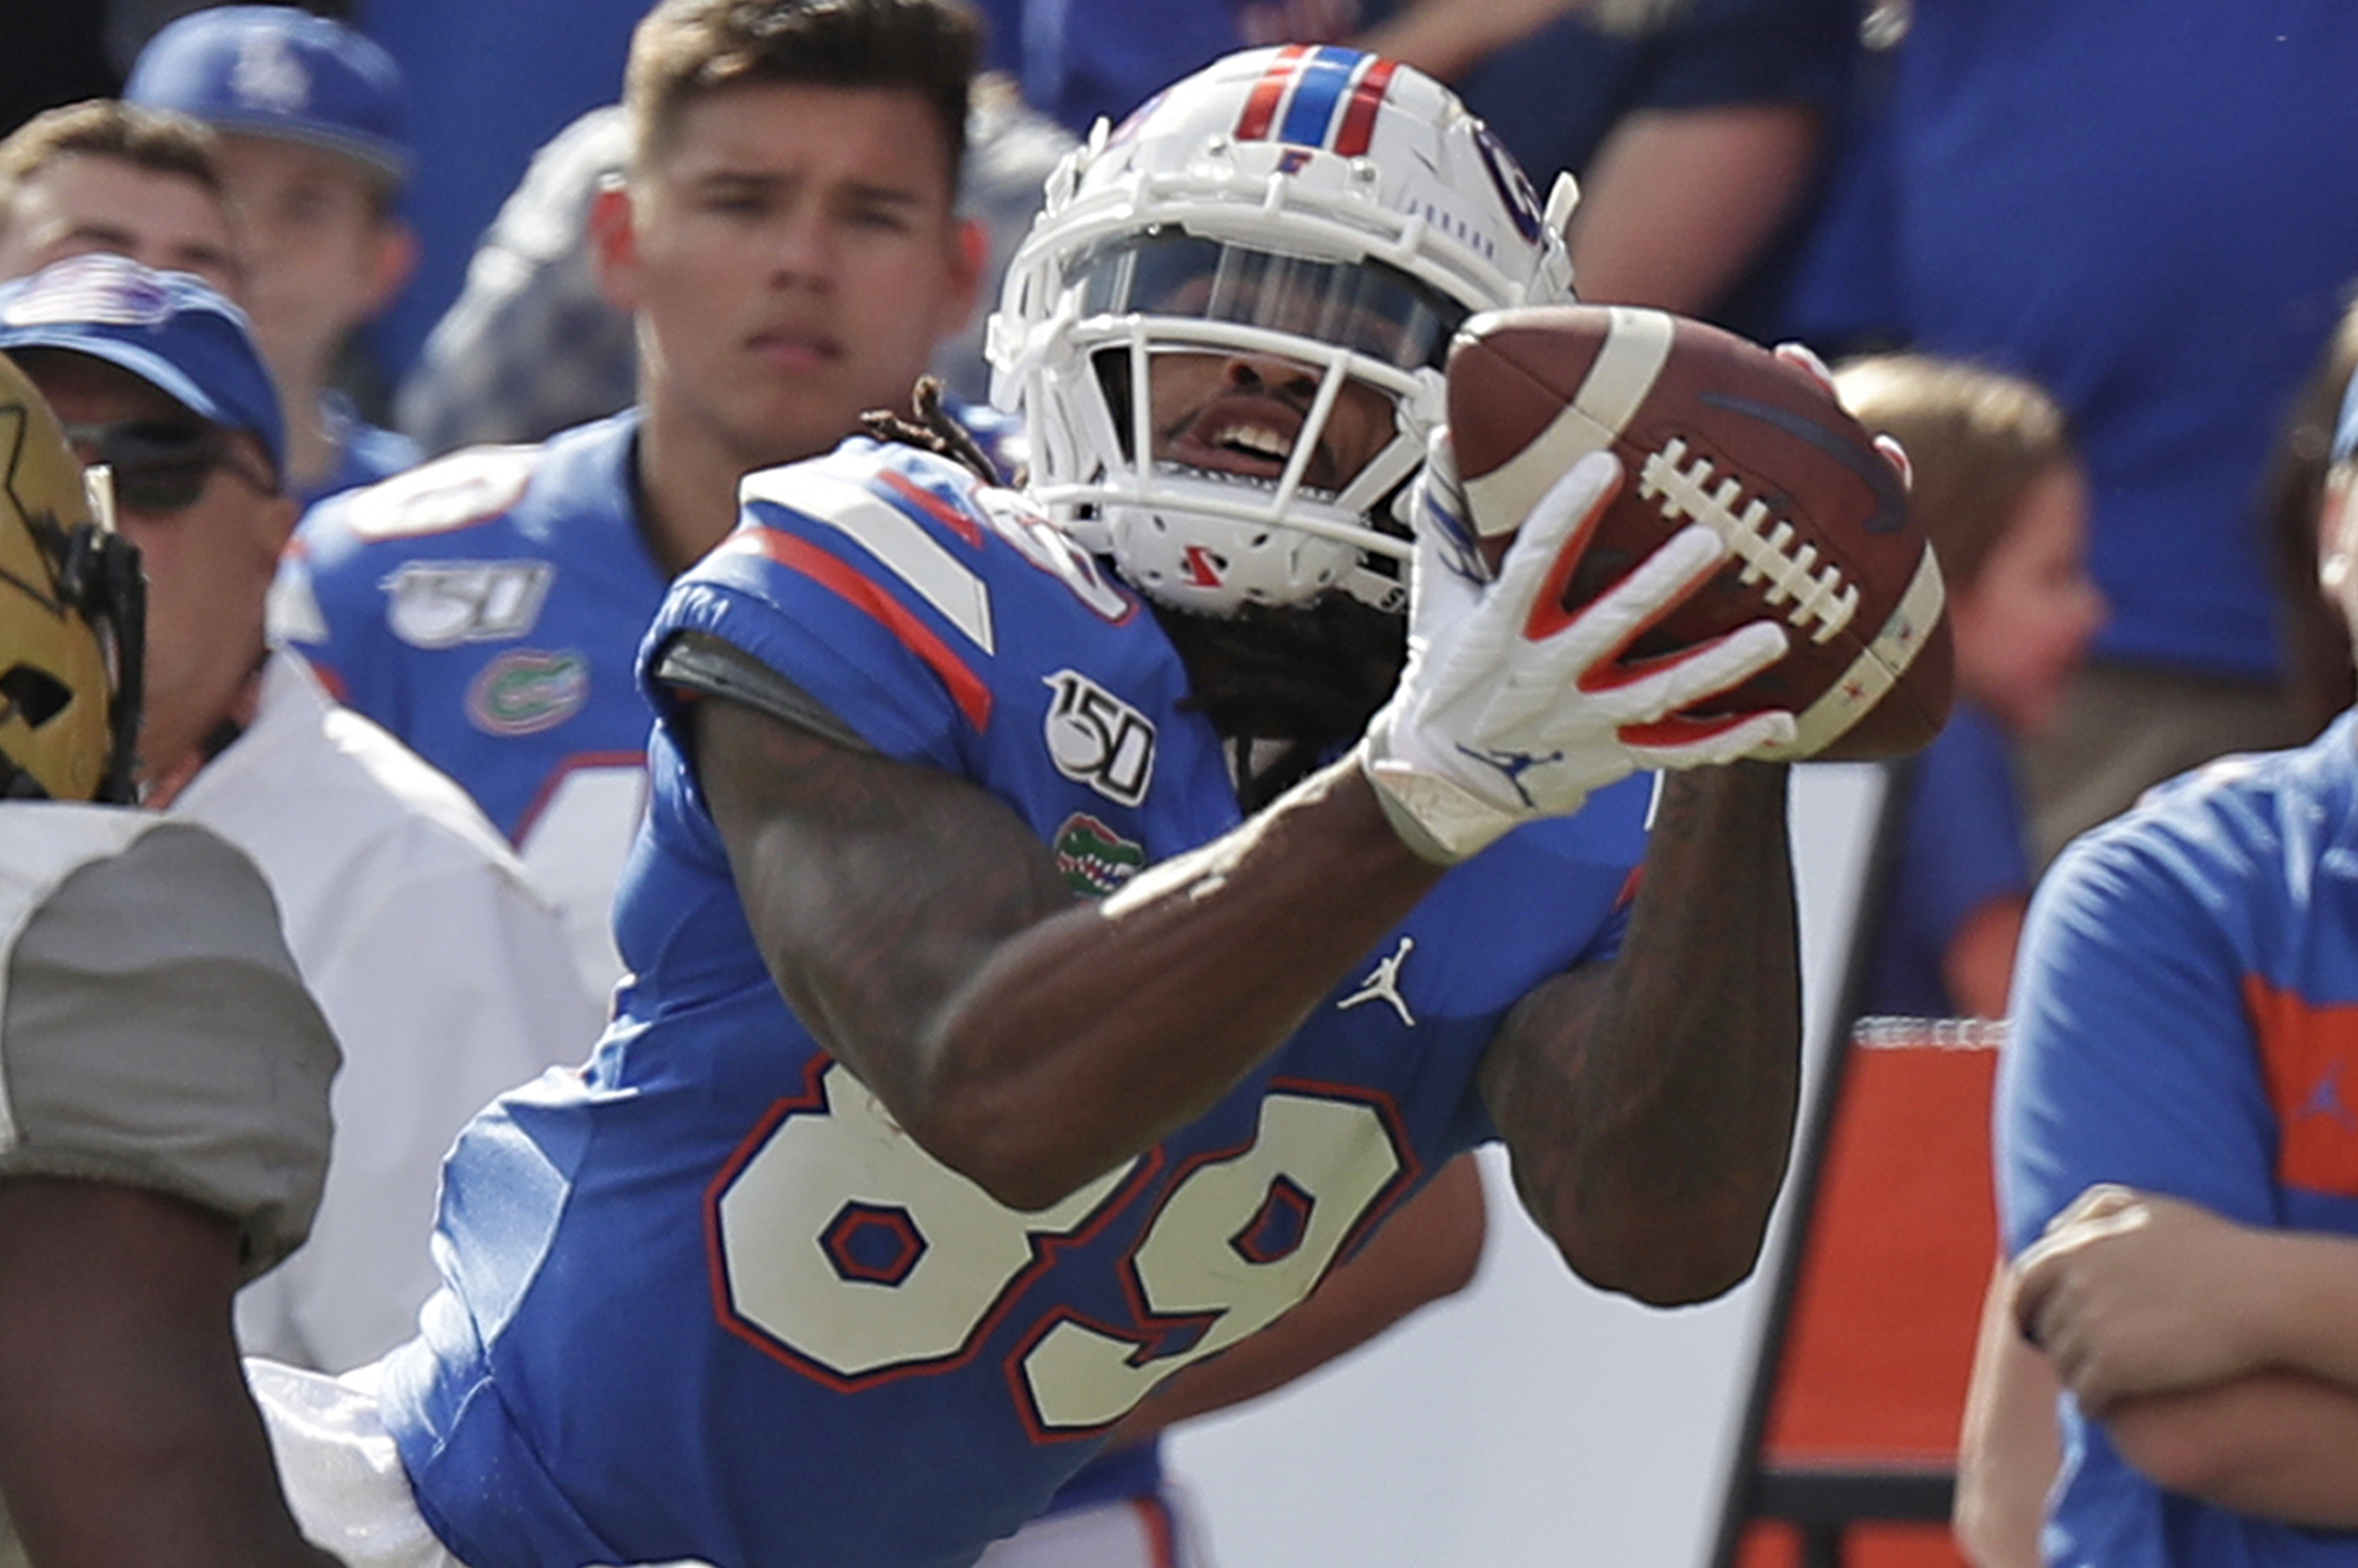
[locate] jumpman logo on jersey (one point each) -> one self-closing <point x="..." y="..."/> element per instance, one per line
<point x="2326" y="1099"/>
<point x="1383" y="983"/>
<point x="1513" y="765"/>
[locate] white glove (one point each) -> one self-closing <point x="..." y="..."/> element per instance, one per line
<point x="1507" y="709"/>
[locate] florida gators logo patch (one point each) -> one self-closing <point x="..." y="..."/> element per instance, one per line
<point x="1095" y="859"/>
<point x="527" y="691"/>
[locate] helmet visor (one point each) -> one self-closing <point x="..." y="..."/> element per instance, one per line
<point x="1363" y="307"/>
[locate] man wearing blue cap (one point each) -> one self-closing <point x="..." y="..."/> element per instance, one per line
<point x="311" y="117"/>
<point x="444" y="973"/>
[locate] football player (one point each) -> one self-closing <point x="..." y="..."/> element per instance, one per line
<point x="786" y="239"/>
<point x="1069" y="920"/>
<point x="164" y="1076"/>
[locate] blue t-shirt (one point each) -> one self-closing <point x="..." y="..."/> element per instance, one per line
<point x="704" y="1300"/>
<point x="2149" y="211"/>
<point x="2186" y="1021"/>
<point x="1077" y="59"/>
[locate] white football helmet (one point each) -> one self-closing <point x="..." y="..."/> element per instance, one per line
<point x="1319" y="207"/>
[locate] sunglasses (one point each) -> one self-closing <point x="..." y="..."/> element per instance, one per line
<point x="162" y="466"/>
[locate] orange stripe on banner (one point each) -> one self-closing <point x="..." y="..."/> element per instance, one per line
<point x="966" y="688"/>
<point x="1154" y="1520"/>
<point x="2309" y="1056"/>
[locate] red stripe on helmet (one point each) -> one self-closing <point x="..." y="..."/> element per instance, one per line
<point x="1359" y="118"/>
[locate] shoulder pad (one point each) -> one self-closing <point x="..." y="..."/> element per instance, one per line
<point x="451" y="493"/>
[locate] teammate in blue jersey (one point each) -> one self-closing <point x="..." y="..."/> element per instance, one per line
<point x="787" y="240"/>
<point x="1070" y="919"/>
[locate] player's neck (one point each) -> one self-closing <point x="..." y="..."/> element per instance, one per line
<point x="685" y="486"/>
<point x="311" y="448"/>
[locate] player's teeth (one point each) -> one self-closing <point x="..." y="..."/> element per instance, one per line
<point x="1259" y="441"/>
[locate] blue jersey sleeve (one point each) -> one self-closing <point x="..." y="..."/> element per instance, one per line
<point x="892" y="588"/>
<point x="2131" y="1056"/>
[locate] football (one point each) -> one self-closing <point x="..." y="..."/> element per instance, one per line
<point x="1712" y="428"/>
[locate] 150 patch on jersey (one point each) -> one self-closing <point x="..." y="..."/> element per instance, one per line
<point x="1095" y="738"/>
<point x="441" y="604"/>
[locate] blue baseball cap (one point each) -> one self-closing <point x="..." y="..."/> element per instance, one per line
<point x="276" y="71"/>
<point x="173" y="329"/>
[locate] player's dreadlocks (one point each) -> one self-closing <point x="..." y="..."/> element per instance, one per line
<point x="933" y="430"/>
<point x="1286" y="688"/>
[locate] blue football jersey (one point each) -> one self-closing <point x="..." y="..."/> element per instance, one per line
<point x="486" y="609"/>
<point x="705" y="1301"/>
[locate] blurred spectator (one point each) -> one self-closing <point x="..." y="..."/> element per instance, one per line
<point x="2009" y="1447"/>
<point x="1697" y="131"/>
<point x="311" y="119"/>
<point x="2315" y="635"/>
<point x="2147" y="211"/>
<point x="2175" y="1148"/>
<point x="446" y="976"/>
<point x="105" y="175"/>
<point x="534" y="345"/>
<point x="2005" y="501"/>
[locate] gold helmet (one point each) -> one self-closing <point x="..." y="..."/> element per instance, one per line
<point x="70" y="621"/>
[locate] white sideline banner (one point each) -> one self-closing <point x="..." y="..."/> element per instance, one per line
<point x="1532" y="1421"/>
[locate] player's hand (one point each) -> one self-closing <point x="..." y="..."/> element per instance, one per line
<point x="1508" y="709"/>
<point x="2131" y="1293"/>
<point x="1804" y="359"/>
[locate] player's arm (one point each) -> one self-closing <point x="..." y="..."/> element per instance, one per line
<point x="2280" y="1444"/>
<point x="167" y="1080"/>
<point x="1428" y="1249"/>
<point x="1648" y="1102"/>
<point x="1031" y="1041"/>
<point x="923" y="933"/>
<point x="127" y="1433"/>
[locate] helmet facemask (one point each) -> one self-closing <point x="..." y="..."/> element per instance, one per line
<point x="1341" y="274"/>
<point x="1280" y="402"/>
